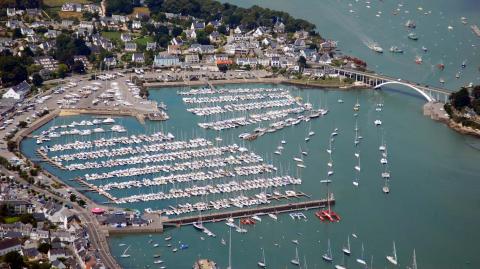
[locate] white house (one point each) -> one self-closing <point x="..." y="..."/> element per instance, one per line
<point x="9" y="245"/>
<point x="17" y="92"/>
<point x="136" y="25"/>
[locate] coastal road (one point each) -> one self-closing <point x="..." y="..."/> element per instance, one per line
<point x="96" y="236"/>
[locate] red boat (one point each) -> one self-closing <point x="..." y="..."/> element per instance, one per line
<point x="441" y="66"/>
<point x="247" y="221"/>
<point x="328" y="215"/>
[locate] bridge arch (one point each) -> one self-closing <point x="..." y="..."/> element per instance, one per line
<point x="425" y="95"/>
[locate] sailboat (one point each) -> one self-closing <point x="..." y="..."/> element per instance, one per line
<point x="328" y="255"/>
<point x="356" y="107"/>
<point x="341" y="266"/>
<point x="262" y="263"/>
<point x="393" y="259"/>
<point x="124" y="254"/>
<point x="414" y="261"/>
<point x="230" y="250"/>
<point x="357" y="167"/>
<point x="296" y="260"/>
<point x="361" y="260"/>
<point x="346" y="250"/>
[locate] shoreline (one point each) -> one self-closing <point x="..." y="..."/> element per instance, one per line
<point x="436" y="112"/>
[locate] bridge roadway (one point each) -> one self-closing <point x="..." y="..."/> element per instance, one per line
<point x="378" y="80"/>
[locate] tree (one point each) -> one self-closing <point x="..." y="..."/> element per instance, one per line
<point x="28" y="218"/>
<point x="13" y="70"/>
<point x="44" y="248"/>
<point x="176" y="31"/>
<point x="17" y="33"/>
<point x="22" y="124"/>
<point x="73" y="197"/>
<point x="302" y="63"/>
<point x="209" y="29"/>
<point x="202" y="38"/>
<point x="460" y="99"/>
<point x="11" y="145"/>
<point x="14" y="259"/>
<point x="476" y="92"/>
<point x="78" y="67"/>
<point x="222" y="29"/>
<point x="62" y="70"/>
<point x="37" y="80"/>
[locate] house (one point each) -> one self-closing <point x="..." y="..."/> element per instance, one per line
<point x="81" y="58"/>
<point x="58" y="264"/>
<point x="279" y="27"/>
<point x="214" y="37"/>
<point x="101" y="41"/>
<point x="259" y="32"/>
<point x="72" y="7"/>
<point x="46" y="62"/>
<point x="299" y="44"/>
<point x="66" y="23"/>
<point x="325" y="59"/>
<point x="33" y="12"/>
<point x="203" y="49"/>
<point x="191" y="34"/>
<point x="275" y="61"/>
<point x="328" y="45"/>
<point x="51" y="34"/>
<point x="26" y="31"/>
<point x="63" y="236"/>
<point x="119" y="18"/>
<point x="136" y="25"/>
<point x="176" y="41"/>
<point x="125" y="37"/>
<point x="246" y="61"/>
<point x="18" y="92"/>
<point x="263" y="61"/>
<point x="196" y="25"/>
<point x="38" y="234"/>
<point x="139" y="222"/>
<point x="110" y="61"/>
<point x="174" y="50"/>
<point x="87" y="25"/>
<point x="11" y="12"/>
<point x="130" y="46"/>
<point x="166" y="61"/>
<point x="238" y="30"/>
<point x="9" y="245"/>
<point x="215" y="23"/>
<point x="151" y="46"/>
<point x="138" y="58"/>
<point x="31" y="254"/>
<point x="116" y="220"/>
<point x="192" y="59"/>
<point x="55" y="253"/>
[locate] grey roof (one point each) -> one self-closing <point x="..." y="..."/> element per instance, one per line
<point x="8" y="243"/>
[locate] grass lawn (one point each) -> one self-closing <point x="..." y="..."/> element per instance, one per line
<point x="140" y="10"/>
<point x="9" y="220"/>
<point x="70" y="14"/>
<point x="324" y="82"/>
<point x="112" y="35"/>
<point x="143" y="40"/>
<point x="59" y="3"/>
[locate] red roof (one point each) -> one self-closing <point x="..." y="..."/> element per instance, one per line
<point x="98" y="210"/>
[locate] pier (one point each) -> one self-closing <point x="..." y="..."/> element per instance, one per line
<point x="281" y="208"/>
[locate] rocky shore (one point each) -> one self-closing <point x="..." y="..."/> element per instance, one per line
<point x="436" y="112"/>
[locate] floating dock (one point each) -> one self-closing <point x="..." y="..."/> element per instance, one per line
<point x="281" y="208"/>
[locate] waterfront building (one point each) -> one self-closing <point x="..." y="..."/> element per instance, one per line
<point x="10" y="245"/>
<point x="166" y="61"/>
<point x="138" y="58"/>
<point x="17" y="92"/>
<point x="130" y="46"/>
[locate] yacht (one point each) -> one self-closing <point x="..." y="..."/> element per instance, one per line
<point x="328" y="255"/>
<point x="393" y="259"/>
<point x="418" y="60"/>
<point x="124" y="254"/>
<point x="262" y="263"/>
<point x="377" y="122"/>
<point x="346" y="250"/>
<point x="375" y="48"/>
<point x="413" y="36"/>
<point x="296" y="260"/>
<point x="410" y="24"/>
<point x="396" y="49"/>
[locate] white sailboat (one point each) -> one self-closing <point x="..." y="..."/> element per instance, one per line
<point x="357" y="167"/>
<point x="230" y="250"/>
<point x="262" y="263"/>
<point x="341" y="266"/>
<point x="393" y="259"/>
<point x="346" y="250"/>
<point x="296" y="260"/>
<point x="328" y="255"/>
<point x="124" y="254"/>
<point x="361" y="260"/>
<point x="414" y="261"/>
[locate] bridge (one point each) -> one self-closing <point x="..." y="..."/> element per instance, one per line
<point x="431" y="94"/>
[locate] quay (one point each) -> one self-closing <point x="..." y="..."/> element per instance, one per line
<point x="281" y="208"/>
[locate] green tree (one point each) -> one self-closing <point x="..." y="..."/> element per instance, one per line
<point x="73" y="197"/>
<point x="37" y="80"/>
<point x="44" y="248"/>
<point x="78" y="67"/>
<point x="302" y="63"/>
<point x="22" y="124"/>
<point x="209" y="29"/>
<point x="13" y="70"/>
<point x="28" y="218"/>
<point x="202" y="38"/>
<point x="11" y="145"/>
<point x="17" y="33"/>
<point x="476" y="92"/>
<point x="62" y="70"/>
<point x="176" y="31"/>
<point x="222" y="29"/>
<point x="460" y="99"/>
<point x="14" y="259"/>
